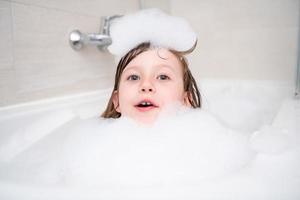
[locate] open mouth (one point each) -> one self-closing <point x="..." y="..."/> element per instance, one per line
<point x="145" y="105"/>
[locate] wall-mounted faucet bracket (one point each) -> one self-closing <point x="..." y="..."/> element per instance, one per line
<point x="78" y="40"/>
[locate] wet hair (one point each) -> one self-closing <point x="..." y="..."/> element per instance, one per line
<point x="189" y="83"/>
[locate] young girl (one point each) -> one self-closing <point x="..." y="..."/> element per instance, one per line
<point x="150" y="78"/>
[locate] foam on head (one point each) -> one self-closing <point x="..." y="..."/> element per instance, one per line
<point x="150" y="25"/>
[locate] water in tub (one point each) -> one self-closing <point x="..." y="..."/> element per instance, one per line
<point x="233" y="148"/>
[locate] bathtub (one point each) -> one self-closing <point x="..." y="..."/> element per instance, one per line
<point x="242" y="105"/>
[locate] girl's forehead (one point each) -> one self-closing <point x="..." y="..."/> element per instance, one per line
<point x="157" y="56"/>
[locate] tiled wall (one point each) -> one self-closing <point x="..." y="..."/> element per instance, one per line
<point x="244" y="39"/>
<point x="36" y="61"/>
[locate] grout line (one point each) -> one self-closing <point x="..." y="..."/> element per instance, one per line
<point x="12" y="27"/>
<point x="13" y="51"/>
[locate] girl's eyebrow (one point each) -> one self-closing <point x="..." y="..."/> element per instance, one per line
<point x="166" y="66"/>
<point x="130" y="68"/>
<point x="136" y="68"/>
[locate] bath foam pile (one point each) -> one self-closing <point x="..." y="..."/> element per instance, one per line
<point x="119" y="159"/>
<point x="154" y="156"/>
<point x="121" y="152"/>
<point x="150" y="25"/>
<point x="192" y="155"/>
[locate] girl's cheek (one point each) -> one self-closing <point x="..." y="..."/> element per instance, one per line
<point x="128" y="88"/>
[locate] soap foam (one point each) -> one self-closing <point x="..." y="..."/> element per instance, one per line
<point x="127" y="154"/>
<point x="150" y="25"/>
<point x="188" y="154"/>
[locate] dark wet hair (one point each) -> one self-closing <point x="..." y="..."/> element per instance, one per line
<point x="189" y="82"/>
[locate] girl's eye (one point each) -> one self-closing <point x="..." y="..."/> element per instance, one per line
<point x="163" y="77"/>
<point x="133" y="78"/>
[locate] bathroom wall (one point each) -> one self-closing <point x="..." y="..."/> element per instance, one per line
<point x="240" y="39"/>
<point x="243" y="39"/>
<point x="36" y="61"/>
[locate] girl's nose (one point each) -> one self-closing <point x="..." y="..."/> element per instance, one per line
<point x="147" y="90"/>
<point x="147" y="87"/>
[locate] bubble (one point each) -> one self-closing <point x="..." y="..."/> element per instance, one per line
<point x="150" y="25"/>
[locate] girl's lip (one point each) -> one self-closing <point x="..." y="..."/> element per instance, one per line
<point x="144" y="109"/>
<point x="147" y="108"/>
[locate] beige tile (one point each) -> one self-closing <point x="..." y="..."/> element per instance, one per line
<point x="243" y="39"/>
<point x="45" y="63"/>
<point x="8" y="86"/>
<point x="6" y="50"/>
<point x="161" y="4"/>
<point x="268" y="52"/>
<point x="91" y="8"/>
<point x="66" y="89"/>
<point x="240" y="13"/>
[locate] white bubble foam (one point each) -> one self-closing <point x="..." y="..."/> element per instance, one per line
<point x="150" y="25"/>
<point x="186" y="154"/>
<point x="175" y="150"/>
<point x="188" y="147"/>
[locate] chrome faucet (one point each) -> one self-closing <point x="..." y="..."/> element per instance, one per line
<point x="78" y="40"/>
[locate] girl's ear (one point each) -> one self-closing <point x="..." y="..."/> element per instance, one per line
<point x="115" y="99"/>
<point x="186" y="98"/>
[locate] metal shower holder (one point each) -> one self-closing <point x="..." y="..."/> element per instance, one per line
<point x="79" y="40"/>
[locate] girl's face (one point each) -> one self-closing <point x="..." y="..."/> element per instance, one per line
<point x="149" y="83"/>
